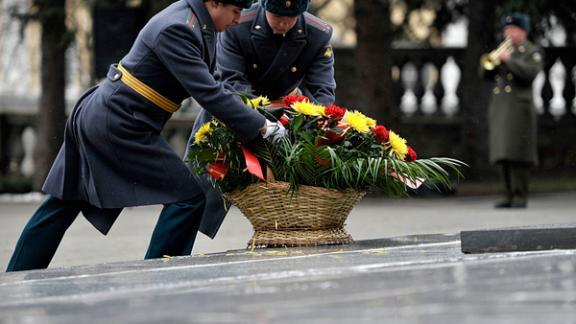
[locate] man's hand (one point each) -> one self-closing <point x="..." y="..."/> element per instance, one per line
<point x="273" y="130"/>
<point x="504" y="56"/>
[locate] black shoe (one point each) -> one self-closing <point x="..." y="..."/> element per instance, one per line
<point x="518" y="203"/>
<point x="504" y="204"/>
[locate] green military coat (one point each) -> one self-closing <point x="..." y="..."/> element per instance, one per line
<point x="512" y="117"/>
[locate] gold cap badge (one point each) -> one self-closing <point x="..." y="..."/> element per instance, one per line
<point x="288" y="4"/>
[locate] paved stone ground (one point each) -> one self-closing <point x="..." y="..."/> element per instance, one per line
<point x="418" y="279"/>
<point x="371" y="219"/>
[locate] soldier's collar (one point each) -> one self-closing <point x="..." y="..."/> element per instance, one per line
<point x="204" y="19"/>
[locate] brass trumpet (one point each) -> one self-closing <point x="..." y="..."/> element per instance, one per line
<point x="491" y="60"/>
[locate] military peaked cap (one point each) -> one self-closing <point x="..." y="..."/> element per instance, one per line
<point x="517" y="19"/>
<point x="288" y="8"/>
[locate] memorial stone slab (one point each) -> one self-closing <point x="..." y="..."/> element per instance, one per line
<point x="530" y="238"/>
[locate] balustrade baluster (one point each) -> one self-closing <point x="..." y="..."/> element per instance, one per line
<point x="429" y="80"/>
<point x="28" y="143"/>
<point x="450" y="77"/>
<point x="557" y="82"/>
<point x="409" y="77"/>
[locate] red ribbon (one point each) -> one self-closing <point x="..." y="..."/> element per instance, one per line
<point x="218" y="170"/>
<point x="252" y="163"/>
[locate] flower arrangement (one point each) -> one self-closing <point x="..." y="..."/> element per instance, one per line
<point x="327" y="146"/>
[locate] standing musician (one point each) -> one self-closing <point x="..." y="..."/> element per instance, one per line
<point x="512" y="117"/>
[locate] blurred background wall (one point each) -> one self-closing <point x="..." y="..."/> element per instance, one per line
<point x="417" y="62"/>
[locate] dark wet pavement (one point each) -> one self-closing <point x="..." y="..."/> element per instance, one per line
<point x="414" y="279"/>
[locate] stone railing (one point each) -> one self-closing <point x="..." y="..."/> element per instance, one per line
<point x="427" y="91"/>
<point x="427" y="81"/>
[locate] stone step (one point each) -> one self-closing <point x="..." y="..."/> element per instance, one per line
<point x="528" y="238"/>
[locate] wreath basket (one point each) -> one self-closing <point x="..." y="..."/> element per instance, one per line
<point x="310" y="216"/>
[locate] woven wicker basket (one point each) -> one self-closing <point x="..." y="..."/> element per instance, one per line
<point x="313" y="216"/>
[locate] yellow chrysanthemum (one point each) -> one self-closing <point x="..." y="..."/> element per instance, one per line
<point x="358" y="121"/>
<point x="203" y="132"/>
<point x="258" y="102"/>
<point x="308" y="108"/>
<point x="370" y="122"/>
<point x="398" y="145"/>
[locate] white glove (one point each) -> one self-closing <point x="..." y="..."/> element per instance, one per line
<point x="274" y="130"/>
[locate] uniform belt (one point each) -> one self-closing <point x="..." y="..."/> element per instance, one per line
<point x="147" y="92"/>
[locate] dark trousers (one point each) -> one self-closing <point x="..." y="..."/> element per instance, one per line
<point x="173" y="235"/>
<point x="43" y="233"/>
<point x="515" y="178"/>
<point x="176" y="230"/>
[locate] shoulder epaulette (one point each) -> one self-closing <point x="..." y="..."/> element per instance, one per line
<point x="317" y="23"/>
<point x="250" y="13"/>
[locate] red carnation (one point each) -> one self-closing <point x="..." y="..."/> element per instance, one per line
<point x="217" y="170"/>
<point x="411" y="156"/>
<point x="290" y="99"/>
<point x="335" y="112"/>
<point x="381" y="133"/>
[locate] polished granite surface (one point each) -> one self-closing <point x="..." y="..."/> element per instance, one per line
<point x="415" y="279"/>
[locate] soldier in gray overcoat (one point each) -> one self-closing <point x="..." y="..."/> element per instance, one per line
<point x="512" y="116"/>
<point x="113" y="155"/>
<point x="277" y="49"/>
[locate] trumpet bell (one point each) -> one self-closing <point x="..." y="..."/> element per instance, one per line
<point x="488" y="63"/>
